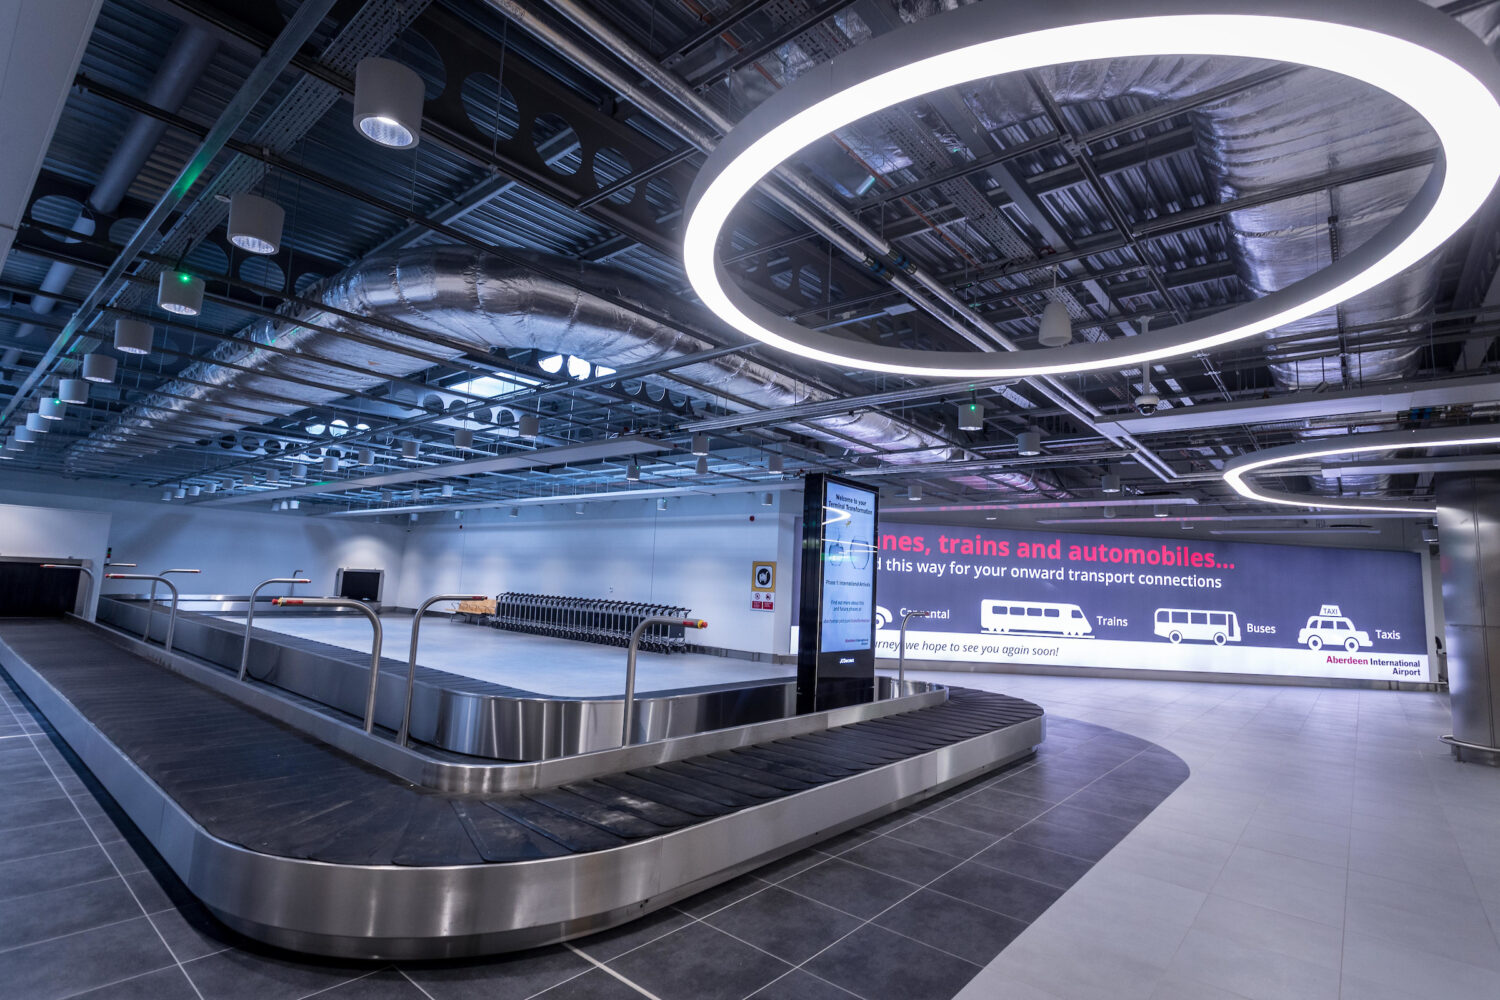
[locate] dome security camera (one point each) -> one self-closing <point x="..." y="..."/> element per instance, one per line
<point x="1146" y="403"/>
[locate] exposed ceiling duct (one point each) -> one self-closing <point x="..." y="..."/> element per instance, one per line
<point x="471" y="298"/>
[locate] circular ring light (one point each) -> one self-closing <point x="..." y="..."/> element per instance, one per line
<point x="1237" y="471"/>
<point x="1415" y="53"/>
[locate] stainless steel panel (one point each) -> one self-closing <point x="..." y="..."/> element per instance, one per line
<point x="1458" y="538"/>
<point x="419" y="767"/>
<point x="1469" y="683"/>
<point x="388" y="912"/>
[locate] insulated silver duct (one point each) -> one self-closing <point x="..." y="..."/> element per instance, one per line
<point x="470" y="297"/>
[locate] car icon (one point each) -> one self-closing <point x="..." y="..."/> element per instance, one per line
<point x="1332" y="630"/>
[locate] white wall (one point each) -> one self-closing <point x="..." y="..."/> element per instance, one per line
<point x="49" y="533"/>
<point x="235" y="548"/>
<point x="697" y="554"/>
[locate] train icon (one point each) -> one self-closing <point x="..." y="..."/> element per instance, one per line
<point x="1034" y="618"/>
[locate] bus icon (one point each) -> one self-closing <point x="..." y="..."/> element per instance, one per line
<point x="1177" y="624"/>
<point x="1035" y="617"/>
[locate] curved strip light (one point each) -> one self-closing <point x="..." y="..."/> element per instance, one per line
<point x="1237" y="471"/>
<point x="1415" y="53"/>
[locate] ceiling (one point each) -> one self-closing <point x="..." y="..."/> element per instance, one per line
<point x="523" y="261"/>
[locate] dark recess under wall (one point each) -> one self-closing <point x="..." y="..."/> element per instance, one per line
<point x="28" y="591"/>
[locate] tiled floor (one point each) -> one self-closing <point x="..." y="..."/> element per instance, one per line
<point x="542" y="664"/>
<point x="1324" y="846"/>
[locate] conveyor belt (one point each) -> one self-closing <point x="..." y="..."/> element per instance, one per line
<point x="251" y="781"/>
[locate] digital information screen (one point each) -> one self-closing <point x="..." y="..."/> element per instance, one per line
<point x="836" y="617"/>
<point x="1002" y="596"/>
<point x="848" y="575"/>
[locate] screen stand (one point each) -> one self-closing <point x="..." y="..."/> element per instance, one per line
<point x="836" y="647"/>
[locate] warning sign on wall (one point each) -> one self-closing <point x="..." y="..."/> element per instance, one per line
<point x="763" y="586"/>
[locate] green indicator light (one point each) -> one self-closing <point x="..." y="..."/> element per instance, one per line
<point x="184" y="278"/>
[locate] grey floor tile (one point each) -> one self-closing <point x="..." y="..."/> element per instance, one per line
<point x="902" y="860"/>
<point x="999" y="891"/>
<point x="1078" y="832"/>
<point x="191" y="932"/>
<point x="1256" y="973"/>
<point x="65" y="911"/>
<point x="848" y="887"/>
<point x="970" y="814"/>
<point x="17" y="815"/>
<point x="721" y="896"/>
<point x="386" y="984"/>
<point x="1036" y="863"/>
<point x="163" y="984"/>
<point x="1397" y="969"/>
<point x="63" y="966"/>
<point x="970" y="932"/>
<point x="800" y="985"/>
<point x="780" y="871"/>
<point x="878" y="964"/>
<point x="791" y="927"/>
<point x="61" y="869"/>
<point x="617" y="941"/>
<point x="595" y="985"/>
<point x="521" y="974"/>
<point x="1259" y="927"/>
<point x="945" y="838"/>
<point x="700" y="963"/>
<point x="257" y="975"/>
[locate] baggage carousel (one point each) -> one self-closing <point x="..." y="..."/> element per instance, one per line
<point x="297" y="828"/>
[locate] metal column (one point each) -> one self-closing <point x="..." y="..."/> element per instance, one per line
<point x="1469" y="536"/>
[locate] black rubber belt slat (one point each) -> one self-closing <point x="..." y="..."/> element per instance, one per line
<point x="434" y="836"/>
<point x="801" y="771"/>
<point x="850" y="744"/>
<point x="501" y="839"/>
<point x="762" y="776"/>
<point x="900" y="744"/>
<point x="335" y="834"/>
<point x="575" y="835"/>
<point x="746" y="786"/>
<point x="843" y="753"/>
<point x="676" y="798"/>
<point x="626" y="825"/>
<point x="712" y="792"/>
<point x="804" y="757"/>
<point x="655" y="812"/>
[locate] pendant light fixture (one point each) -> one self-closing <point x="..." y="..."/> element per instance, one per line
<point x="388" y="99"/>
<point x="195" y="490"/>
<point x="775" y="464"/>
<point x="700" y="444"/>
<point x="971" y="415"/>
<point x="702" y="467"/>
<point x="52" y="409"/>
<point x="661" y="503"/>
<point x="1110" y="483"/>
<point x="914" y="492"/>
<point x="166" y="495"/>
<point x="299" y="471"/>
<point x="632" y="473"/>
<point x="767" y="499"/>
<point x="1029" y="443"/>
<point x="578" y="508"/>
<point x="179" y="493"/>
<point x="463" y="439"/>
<point x="132" y="336"/>
<point x="25" y="435"/>
<point x="99" y="367"/>
<point x="367" y="456"/>
<point x="37" y="424"/>
<point x="179" y="292"/>
<point x="255" y="223"/>
<point x="447" y="489"/>
<point x="330" y="464"/>
<point x="1056" y="329"/>
<point x="515" y="512"/>
<point x="410" y="448"/>
<point x="529" y="425"/>
<point x="73" y="390"/>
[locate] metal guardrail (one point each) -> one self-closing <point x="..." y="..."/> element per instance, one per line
<point x="250" y="615"/>
<point x="901" y="656"/>
<point x="151" y="607"/>
<point x="411" y="660"/>
<point x="633" y="645"/>
<point x="87" y="613"/>
<point x="346" y="602"/>
<point x="611" y="623"/>
<point x="163" y="573"/>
